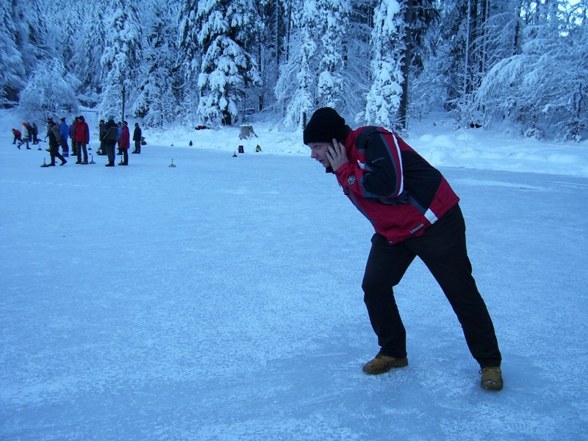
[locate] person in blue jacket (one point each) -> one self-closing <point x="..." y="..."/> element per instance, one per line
<point x="64" y="133"/>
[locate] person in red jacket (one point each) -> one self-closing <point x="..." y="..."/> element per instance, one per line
<point x="81" y="137"/>
<point x="414" y="212"/>
<point x="124" y="143"/>
<point x="17" y="137"/>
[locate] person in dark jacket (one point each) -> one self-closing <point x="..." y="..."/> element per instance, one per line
<point x="101" y="134"/>
<point x="414" y="212"/>
<point x="110" y="138"/>
<point x="137" y="138"/>
<point x="72" y="131"/>
<point x="35" y="133"/>
<point x="53" y="134"/>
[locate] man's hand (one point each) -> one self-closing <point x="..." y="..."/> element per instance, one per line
<point x="337" y="155"/>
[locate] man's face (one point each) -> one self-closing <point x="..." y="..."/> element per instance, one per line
<point x="318" y="151"/>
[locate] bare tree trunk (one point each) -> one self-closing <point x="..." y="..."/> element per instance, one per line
<point x="484" y="36"/>
<point x="409" y="18"/>
<point x="288" y="30"/>
<point x="516" y="49"/>
<point x="466" y="67"/>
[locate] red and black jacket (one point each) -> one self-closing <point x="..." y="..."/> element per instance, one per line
<point x="399" y="192"/>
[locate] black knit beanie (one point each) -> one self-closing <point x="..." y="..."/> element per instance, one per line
<point x="324" y="125"/>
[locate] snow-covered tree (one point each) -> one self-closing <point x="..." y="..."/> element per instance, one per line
<point x="317" y="72"/>
<point x="542" y="88"/>
<point x="333" y="21"/>
<point x="120" y="60"/>
<point x="82" y="46"/>
<point x="189" y="56"/>
<point x="383" y="99"/>
<point x="156" y="101"/>
<point x="12" y="69"/>
<point x="419" y="16"/>
<point x="295" y="88"/>
<point x="272" y="49"/>
<point x="49" y="92"/>
<point x="517" y="61"/>
<point x="31" y="32"/>
<point x="227" y="68"/>
<point x="355" y="51"/>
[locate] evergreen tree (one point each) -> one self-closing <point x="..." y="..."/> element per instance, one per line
<point x="419" y="16"/>
<point x="272" y="47"/>
<point x="542" y="87"/>
<point x="83" y="46"/>
<point x="227" y="69"/>
<point x="12" y="68"/>
<point x="574" y="127"/>
<point x="189" y="55"/>
<point x="296" y="86"/>
<point x="333" y="24"/>
<point x="318" y="72"/>
<point x="355" y="52"/>
<point x="449" y="52"/>
<point x="120" y="60"/>
<point x="383" y="99"/>
<point x="488" y="61"/>
<point x="31" y="33"/>
<point x="156" y="101"/>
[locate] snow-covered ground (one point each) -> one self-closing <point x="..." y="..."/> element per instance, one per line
<point x="221" y="299"/>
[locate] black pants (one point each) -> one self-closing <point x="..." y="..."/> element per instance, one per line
<point x="64" y="146"/>
<point x="109" y="147"/>
<point x="54" y="152"/>
<point x="82" y="152"/>
<point x="443" y="250"/>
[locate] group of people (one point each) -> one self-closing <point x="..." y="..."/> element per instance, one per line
<point x="28" y="134"/>
<point x="110" y="134"/>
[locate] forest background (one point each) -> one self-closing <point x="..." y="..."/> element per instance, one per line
<point x="490" y="63"/>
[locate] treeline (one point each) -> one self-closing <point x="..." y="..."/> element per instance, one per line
<point x="389" y="62"/>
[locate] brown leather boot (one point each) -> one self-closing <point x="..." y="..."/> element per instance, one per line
<point x="491" y="378"/>
<point x="383" y="363"/>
